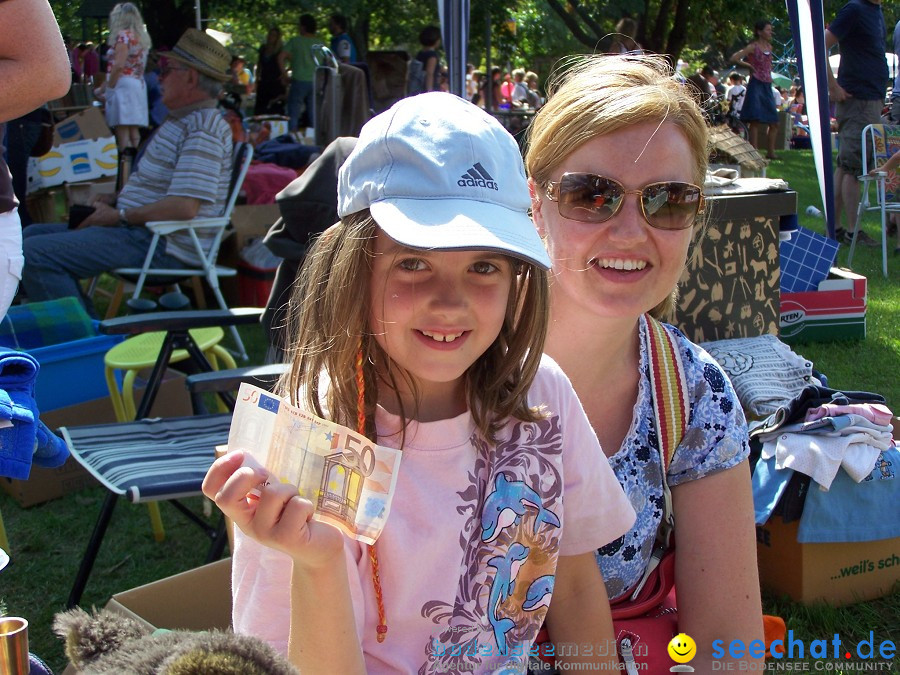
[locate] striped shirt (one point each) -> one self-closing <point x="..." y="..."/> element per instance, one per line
<point x="189" y="156"/>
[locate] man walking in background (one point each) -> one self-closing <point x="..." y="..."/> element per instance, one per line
<point x="858" y="95"/>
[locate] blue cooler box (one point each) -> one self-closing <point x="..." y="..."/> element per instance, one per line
<point x="72" y="372"/>
<point x="63" y="338"/>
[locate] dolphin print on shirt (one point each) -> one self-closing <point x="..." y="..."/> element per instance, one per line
<point x="504" y="582"/>
<point x="506" y="505"/>
<point x="539" y="593"/>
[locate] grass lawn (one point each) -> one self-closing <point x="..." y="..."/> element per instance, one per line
<point x="48" y="540"/>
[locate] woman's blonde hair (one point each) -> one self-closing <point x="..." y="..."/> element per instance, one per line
<point x="126" y="16"/>
<point x="329" y="313"/>
<point x="591" y="96"/>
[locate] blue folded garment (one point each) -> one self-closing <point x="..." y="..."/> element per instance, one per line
<point x="17" y="437"/>
<point x="18" y="372"/>
<point x="768" y="484"/>
<point x="50" y="450"/>
<point x="24" y="438"/>
<point x="850" y="511"/>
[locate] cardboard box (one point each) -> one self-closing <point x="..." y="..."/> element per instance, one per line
<point x="836" y="311"/>
<point x="731" y="289"/>
<point x="42" y="485"/>
<point x="835" y="573"/>
<point x="199" y="599"/>
<point x="83" y="149"/>
<point x="85" y="125"/>
<point x="249" y="222"/>
<point x="85" y="193"/>
<point x="46" y="484"/>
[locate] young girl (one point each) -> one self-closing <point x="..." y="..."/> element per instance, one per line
<point x="426" y="306"/>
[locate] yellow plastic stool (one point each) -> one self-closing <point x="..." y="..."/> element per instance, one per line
<point x="140" y="352"/>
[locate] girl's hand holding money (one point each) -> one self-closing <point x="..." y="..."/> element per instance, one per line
<point x="272" y="512"/>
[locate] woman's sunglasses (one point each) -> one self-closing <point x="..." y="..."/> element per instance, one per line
<point x="589" y="198"/>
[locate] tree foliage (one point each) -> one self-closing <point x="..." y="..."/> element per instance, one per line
<point x="528" y="33"/>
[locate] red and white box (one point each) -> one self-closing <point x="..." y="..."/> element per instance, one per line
<point x="835" y="311"/>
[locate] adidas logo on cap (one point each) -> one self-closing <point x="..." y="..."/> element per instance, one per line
<point x="477" y="176"/>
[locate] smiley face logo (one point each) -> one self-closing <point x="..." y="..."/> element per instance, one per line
<point x="682" y="648"/>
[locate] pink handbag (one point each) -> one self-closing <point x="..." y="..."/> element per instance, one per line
<point x="644" y="626"/>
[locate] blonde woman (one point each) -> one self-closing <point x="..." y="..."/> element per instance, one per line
<point x="124" y="90"/>
<point x="615" y="158"/>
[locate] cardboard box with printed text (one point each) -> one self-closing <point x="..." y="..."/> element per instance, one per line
<point x="83" y="149"/>
<point x="836" y="311"/>
<point x="835" y="573"/>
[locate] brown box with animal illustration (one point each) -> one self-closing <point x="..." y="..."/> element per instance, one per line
<point x="731" y="286"/>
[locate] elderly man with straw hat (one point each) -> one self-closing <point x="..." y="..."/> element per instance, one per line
<point x="184" y="172"/>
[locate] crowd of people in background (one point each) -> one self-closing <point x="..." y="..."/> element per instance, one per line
<point x="517" y="89"/>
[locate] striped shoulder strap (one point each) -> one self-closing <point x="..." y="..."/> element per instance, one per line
<point x="671" y="408"/>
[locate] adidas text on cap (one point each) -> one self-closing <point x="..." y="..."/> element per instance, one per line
<point x="438" y="172"/>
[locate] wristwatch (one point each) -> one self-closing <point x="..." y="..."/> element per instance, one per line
<point x="123" y="221"/>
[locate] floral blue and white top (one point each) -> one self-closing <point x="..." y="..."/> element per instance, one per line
<point x="716" y="439"/>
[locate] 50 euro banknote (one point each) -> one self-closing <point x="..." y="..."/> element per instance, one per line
<point x="349" y="479"/>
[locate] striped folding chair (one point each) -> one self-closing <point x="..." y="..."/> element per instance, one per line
<point x="150" y="460"/>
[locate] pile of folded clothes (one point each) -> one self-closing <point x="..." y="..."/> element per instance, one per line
<point x="841" y="441"/>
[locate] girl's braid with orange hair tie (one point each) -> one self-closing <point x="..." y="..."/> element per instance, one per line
<point x="381" y="630"/>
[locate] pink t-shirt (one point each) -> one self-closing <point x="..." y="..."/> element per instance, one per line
<point x="468" y="556"/>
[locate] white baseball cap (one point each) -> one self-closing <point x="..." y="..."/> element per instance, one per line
<point x="438" y="172"/>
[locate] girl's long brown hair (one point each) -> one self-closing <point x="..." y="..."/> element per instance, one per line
<point x="329" y="323"/>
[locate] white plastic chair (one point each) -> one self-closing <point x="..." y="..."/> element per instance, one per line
<point x="243" y="155"/>
<point x="879" y="142"/>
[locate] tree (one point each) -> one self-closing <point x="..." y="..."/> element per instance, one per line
<point x="664" y="26"/>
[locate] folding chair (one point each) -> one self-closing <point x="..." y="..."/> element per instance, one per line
<point x="879" y="143"/>
<point x="163" y="459"/>
<point x="243" y="155"/>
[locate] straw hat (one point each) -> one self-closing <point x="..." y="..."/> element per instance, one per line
<point x="203" y="53"/>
